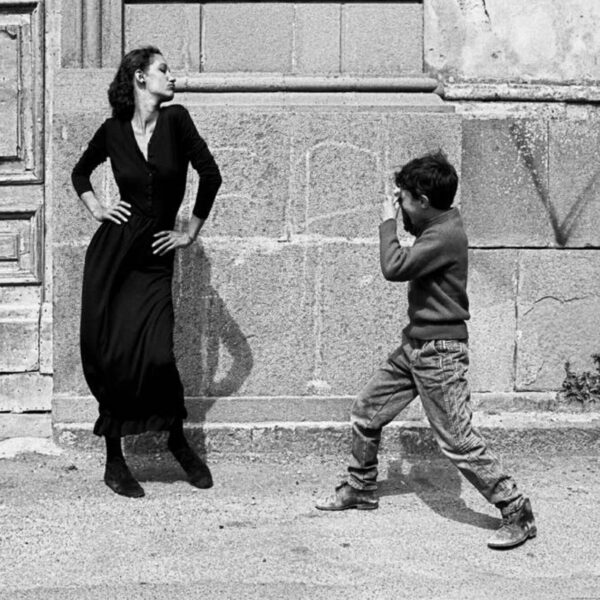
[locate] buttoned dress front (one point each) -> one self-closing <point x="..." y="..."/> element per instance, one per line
<point x="127" y="314"/>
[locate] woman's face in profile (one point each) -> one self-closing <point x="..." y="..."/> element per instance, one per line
<point x="158" y="79"/>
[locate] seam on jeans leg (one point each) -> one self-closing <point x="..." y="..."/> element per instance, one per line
<point x="445" y="396"/>
<point x="389" y="398"/>
<point x="471" y="459"/>
<point x="368" y="426"/>
<point x="381" y="408"/>
<point x="484" y="467"/>
<point x="452" y="417"/>
<point x="364" y="452"/>
<point x="467" y="456"/>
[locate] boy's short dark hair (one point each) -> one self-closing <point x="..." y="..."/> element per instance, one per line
<point x="431" y="175"/>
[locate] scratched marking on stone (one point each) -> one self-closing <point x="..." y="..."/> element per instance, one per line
<point x="526" y="145"/>
<point x="476" y="9"/>
<point x="372" y="158"/>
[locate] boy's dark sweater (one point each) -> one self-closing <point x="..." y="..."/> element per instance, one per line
<point x="436" y="266"/>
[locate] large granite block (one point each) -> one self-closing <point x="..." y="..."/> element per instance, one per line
<point x="343" y="164"/>
<point x="360" y="315"/>
<point x="18" y="425"/>
<point x="574" y="179"/>
<point x="68" y="274"/>
<point x="72" y="222"/>
<point x="25" y="392"/>
<point x="251" y="36"/>
<point x="413" y="135"/>
<point x="19" y="338"/>
<point x="244" y="316"/>
<point x="174" y="29"/>
<point x="492" y="327"/>
<point x="337" y="178"/>
<point x="317" y="39"/>
<point x="382" y="38"/>
<point x="251" y="148"/>
<point x="505" y="182"/>
<point x="558" y="315"/>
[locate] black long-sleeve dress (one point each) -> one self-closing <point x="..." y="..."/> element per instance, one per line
<point x="127" y="308"/>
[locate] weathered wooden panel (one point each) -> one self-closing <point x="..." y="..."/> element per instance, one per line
<point x="20" y="247"/>
<point x="21" y="141"/>
<point x="21" y="92"/>
<point x="21" y="234"/>
<point x="9" y="99"/>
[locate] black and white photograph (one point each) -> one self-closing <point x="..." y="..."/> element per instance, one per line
<point x="299" y="300"/>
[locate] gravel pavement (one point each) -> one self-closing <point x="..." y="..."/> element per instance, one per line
<point x="256" y="534"/>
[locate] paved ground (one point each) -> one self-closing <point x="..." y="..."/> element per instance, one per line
<point x="64" y="535"/>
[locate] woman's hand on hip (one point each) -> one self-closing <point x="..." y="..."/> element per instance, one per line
<point x="118" y="214"/>
<point x="166" y="241"/>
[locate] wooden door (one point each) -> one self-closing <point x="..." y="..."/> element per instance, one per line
<point x="21" y="200"/>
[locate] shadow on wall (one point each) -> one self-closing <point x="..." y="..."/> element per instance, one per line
<point x="213" y="357"/>
<point x="437" y="483"/>
<point x="213" y="354"/>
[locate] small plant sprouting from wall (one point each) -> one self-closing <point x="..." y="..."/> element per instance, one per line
<point x="583" y="388"/>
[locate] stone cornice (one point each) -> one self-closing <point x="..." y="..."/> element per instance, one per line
<point x="252" y="82"/>
<point x="522" y="92"/>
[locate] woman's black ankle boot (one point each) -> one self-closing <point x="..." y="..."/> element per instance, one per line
<point x="119" y="479"/>
<point x="196" y="469"/>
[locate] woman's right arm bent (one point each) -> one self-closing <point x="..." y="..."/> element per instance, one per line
<point x="95" y="154"/>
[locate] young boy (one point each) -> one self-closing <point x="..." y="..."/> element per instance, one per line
<point x="432" y="359"/>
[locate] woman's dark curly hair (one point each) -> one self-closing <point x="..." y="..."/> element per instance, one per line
<point x="120" y="91"/>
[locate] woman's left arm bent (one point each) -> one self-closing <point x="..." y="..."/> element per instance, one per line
<point x="197" y="152"/>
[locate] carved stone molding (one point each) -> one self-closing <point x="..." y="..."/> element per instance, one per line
<point x="92" y="32"/>
<point x="21" y="92"/>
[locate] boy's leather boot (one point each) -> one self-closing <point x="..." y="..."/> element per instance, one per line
<point x="517" y="527"/>
<point x="348" y="497"/>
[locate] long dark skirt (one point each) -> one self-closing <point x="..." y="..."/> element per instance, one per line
<point x="127" y="331"/>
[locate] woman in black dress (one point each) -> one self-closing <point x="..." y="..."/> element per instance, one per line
<point x="127" y="308"/>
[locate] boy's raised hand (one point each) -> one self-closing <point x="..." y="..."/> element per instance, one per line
<point x="389" y="207"/>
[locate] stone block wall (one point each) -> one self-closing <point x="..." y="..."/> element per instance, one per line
<point x="286" y="37"/>
<point x="281" y="302"/>
<point x="530" y="184"/>
<point x="281" y="311"/>
<point x="525" y="82"/>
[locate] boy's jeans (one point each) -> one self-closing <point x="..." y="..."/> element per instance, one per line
<point x="436" y="371"/>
